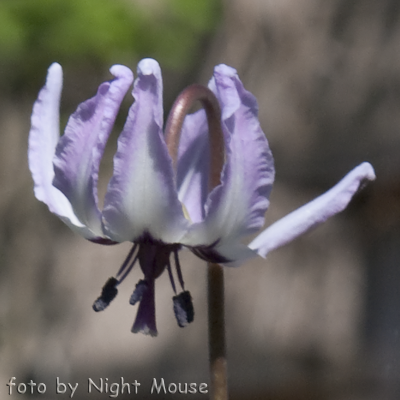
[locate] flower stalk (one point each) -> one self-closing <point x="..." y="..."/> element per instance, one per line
<point x="216" y="333"/>
<point x="215" y="276"/>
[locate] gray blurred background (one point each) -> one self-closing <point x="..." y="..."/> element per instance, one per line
<point x="320" y="318"/>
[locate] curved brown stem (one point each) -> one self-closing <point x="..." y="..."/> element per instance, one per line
<point x="180" y="109"/>
<point x="216" y="304"/>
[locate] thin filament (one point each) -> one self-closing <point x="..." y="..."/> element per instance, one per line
<point x="171" y="277"/>
<point x="129" y="269"/>
<point x="178" y="270"/>
<point x="127" y="260"/>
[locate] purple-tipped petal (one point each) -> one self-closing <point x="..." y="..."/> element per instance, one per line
<point x="237" y="206"/>
<point x="314" y="213"/>
<point x="193" y="165"/>
<point x="79" y="151"/>
<point x="141" y="195"/>
<point x="43" y="138"/>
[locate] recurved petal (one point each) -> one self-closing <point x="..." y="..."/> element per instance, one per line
<point x="237" y="206"/>
<point x="141" y="196"/>
<point x="314" y="213"/>
<point x="79" y="151"/>
<point x="43" y="138"/>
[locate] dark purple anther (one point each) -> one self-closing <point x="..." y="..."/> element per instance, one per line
<point x="108" y="294"/>
<point x="137" y="294"/>
<point x="183" y="308"/>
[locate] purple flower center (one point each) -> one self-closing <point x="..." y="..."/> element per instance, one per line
<point x="153" y="257"/>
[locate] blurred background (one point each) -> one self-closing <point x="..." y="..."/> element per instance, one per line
<point x="320" y="318"/>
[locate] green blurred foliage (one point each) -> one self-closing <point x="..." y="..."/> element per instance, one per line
<point x="90" y="35"/>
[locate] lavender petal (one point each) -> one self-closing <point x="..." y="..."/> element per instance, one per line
<point x="79" y="151"/>
<point x="43" y="138"/>
<point x="237" y="206"/>
<point x="141" y="195"/>
<point x="313" y="213"/>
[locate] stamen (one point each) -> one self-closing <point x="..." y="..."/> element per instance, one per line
<point x="127" y="259"/>
<point x="139" y="291"/>
<point x="183" y="308"/>
<point x="171" y="278"/>
<point x="108" y="294"/>
<point x="178" y="270"/>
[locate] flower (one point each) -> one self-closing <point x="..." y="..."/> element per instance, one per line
<point x="149" y="202"/>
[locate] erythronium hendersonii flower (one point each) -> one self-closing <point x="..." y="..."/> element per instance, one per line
<point x="150" y="202"/>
